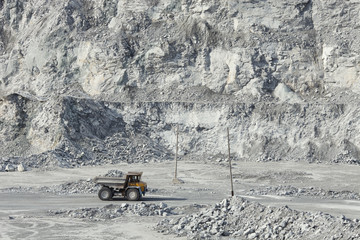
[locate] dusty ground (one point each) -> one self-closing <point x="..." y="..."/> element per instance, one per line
<point x="24" y="214"/>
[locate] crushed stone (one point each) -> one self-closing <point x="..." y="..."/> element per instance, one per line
<point x="78" y="187"/>
<point x="112" y="211"/>
<point x="241" y="219"/>
<point x="315" y="192"/>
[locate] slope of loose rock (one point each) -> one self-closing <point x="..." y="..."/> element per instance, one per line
<point x="239" y="218"/>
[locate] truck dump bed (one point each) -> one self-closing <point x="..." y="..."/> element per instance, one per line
<point x="116" y="182"/>
<point x="130" y="187"/>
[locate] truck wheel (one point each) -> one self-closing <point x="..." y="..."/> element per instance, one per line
<point x="132" y="195"/>
<point x="105" y="193"/>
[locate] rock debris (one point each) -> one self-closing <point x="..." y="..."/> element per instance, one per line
<point x="112" y="211"/>
<point x="237" y="218"/>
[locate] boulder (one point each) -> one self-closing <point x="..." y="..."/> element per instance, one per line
<point x="9" y="168"/>
<point x="21" y="167"/>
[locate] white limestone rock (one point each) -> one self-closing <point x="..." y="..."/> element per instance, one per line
<point x="9" y="168"/>
<point x="21" y="168"/>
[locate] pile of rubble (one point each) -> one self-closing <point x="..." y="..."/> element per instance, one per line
<point x="239" y="218"/>
<point x="78" y="187"/>
<point x="19" y="189"/>
<point x="292" y="191"/>
<point x="115" y="211"/>
<point x="114" y="173"/>
<point x="115" y="149"/>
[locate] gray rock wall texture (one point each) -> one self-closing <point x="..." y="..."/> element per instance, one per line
<point x="93" y="82"/>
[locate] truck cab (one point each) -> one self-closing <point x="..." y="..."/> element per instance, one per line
<point x="133" y="180"/>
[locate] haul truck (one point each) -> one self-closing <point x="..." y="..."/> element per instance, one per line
<point x="131" y="187"/>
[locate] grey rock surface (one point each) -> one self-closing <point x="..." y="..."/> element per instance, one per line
<point x="95" y="82"/>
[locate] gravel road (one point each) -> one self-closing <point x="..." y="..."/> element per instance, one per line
<point x="25" y="209"/>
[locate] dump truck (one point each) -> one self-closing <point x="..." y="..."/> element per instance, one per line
<point x="130" y="187"/>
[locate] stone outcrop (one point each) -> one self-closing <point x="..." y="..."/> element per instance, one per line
<point x="92" y="82"/>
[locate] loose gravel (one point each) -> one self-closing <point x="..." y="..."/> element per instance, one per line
<point x="115" y="211"/>
<point x="240" y="219"/>
<point x="314" y="192"/>
<point x="79" y="187"/>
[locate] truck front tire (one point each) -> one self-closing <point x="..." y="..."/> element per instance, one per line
<point x="132" y="195"/>
<point x="105" y="193"/>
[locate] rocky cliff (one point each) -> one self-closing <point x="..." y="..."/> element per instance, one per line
<point x="92" y="82"/>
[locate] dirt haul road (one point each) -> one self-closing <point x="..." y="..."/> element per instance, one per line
<point x="24" y="211"/>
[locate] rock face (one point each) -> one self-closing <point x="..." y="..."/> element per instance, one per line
<point x="91" y="82"/>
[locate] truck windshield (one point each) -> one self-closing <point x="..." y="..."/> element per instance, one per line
<point x="134" y="179"/>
